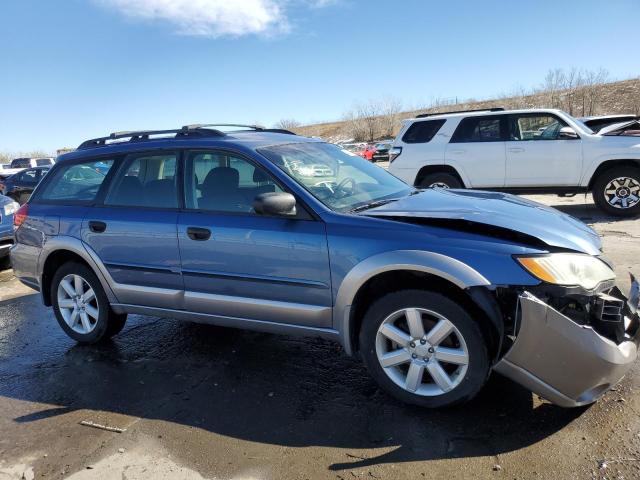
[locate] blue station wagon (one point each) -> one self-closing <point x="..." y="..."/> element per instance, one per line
<point x="263" y="229"/>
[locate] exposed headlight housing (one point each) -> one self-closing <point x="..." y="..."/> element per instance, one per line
<point x="10" y="208"/>
<point x="568" y="269"/>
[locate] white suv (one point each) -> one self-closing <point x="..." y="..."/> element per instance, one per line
<point x="521" y="151"/>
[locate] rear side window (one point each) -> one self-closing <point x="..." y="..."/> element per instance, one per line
<point x="146" y="181"/>
<point x="77" y="182"/>
<point x="479" y="129"/>
<point x="422" y="132"/>
<point x="21" y="163"/>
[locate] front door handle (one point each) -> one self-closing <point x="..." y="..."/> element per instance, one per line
<point x="516" y="149"/>
<point x="199" y="234"/>
<point x="97" y="227"/>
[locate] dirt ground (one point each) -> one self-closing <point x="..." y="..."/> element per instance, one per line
<point x="204" y="402"/>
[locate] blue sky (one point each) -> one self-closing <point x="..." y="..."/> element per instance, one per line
<point x="73" y="69"/>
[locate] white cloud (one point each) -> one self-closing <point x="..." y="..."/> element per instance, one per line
<point x="216" y="18"/>
<point x="210" y="18"/>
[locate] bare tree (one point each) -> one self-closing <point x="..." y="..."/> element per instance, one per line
<point x="390" y="108"/>
<point x="287" y="123"/>
<point x="592" y="89"/>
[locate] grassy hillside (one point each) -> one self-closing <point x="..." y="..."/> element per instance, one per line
<point x="614" y="97"/>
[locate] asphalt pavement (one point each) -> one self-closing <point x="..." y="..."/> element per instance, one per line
<point x="199" y="401"/>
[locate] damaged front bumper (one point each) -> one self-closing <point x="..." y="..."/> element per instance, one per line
<point x="565" y="362"/>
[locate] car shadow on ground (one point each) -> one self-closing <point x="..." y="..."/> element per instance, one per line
<point x="277" y="390"/>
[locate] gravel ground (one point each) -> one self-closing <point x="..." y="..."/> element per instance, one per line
<point x="204" y="402"/>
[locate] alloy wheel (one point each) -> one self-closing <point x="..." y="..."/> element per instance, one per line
<point x="439" y="185"/>
<point x="78" y="304"/>
<point x="422" y="352"/>
<point x="622" y="192"/>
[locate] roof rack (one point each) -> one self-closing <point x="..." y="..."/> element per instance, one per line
<point x="251" y="128"/>
<point x="143" y="135"/>
<point x="493" y="109"/>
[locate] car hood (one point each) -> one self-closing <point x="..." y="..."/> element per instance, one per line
<point x="493" y="213"/>
<point x="620" y="128"/>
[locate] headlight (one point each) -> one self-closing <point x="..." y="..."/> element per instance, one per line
<point x="568" y="269"/>
<point x="11" y="208"/>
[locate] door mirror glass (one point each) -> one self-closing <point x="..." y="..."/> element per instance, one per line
<point x="275" y="203"/>
<point x="567" y="133"/>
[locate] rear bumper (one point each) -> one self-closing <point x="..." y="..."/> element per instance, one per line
<point x="567" y="363"/>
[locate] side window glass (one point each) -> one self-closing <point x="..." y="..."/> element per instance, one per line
<point x="535" y="127"/>
<point x="224" y="183"/>
<point x="478" y="129"/>
<point x="78" y="182"/>
<point x="29" y="176"/>
<point x="146" y="181"/>
<point x="422" y="132"/>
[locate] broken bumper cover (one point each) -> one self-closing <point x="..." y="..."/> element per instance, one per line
<point x="563" y="361"/>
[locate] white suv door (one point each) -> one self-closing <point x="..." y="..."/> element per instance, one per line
<point x="477" y="151"/>
<point x="538" y="155"/>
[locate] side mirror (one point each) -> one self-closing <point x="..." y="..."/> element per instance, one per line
<point x="275" y="203"/>
<point x="567" y="133"/>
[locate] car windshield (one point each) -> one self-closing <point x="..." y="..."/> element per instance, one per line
<point x="341" y="181"/>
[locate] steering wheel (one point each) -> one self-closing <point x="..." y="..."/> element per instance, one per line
<point x="343" y="183"/>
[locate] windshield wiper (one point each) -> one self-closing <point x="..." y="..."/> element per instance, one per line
<point x="374" y="204"/>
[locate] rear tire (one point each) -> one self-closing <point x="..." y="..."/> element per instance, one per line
<point x="617" y="191"/>
<point x="440" y="180"/>
<point x="434" y="353"/>
<point x="81" y="306"/>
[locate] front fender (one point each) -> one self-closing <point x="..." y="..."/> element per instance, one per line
<point x="436" y="264"/>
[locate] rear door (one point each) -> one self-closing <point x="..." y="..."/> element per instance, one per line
<point x="537" y="155"/>
<point x="134" y="231"/>
<point x="477" y="151"/>
<point x="246" y="266"/>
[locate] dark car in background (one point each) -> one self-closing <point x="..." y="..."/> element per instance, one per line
<point x="19" y="186"/>
<point x="598" y="123"/>
<point x="381" y="153"/>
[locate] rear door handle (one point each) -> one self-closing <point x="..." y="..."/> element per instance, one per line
<point x="199" y="234"/>
<point x="97" y="227"/>
<point x="516" y="149"/>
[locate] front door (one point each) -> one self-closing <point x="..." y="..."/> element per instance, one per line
<point x="537" y="154"/>
<point x="135" y="232"/>
<point x="238" y="264"/>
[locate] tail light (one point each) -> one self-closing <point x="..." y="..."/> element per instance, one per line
<point x="394" y="153"/>
<point x="20" y="216"/>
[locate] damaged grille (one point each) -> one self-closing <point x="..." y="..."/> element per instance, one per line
<point x="608" y="308"/>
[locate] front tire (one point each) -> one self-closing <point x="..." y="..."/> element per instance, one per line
<point x="81" y="306"/>
<point x="617" y="191"/>
<point x="424" y="349"/>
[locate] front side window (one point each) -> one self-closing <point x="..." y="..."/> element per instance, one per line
<point x="479" y="129"/>
<point x="341" y="181"/>
<point x="223" y="182"/>
<point x="146" y="181"/>
<point x="77" y="182"/>
<point x="41" y="162"/>
<point x="535" y="127"/>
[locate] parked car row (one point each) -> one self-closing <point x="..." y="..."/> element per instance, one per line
<point x="522" y="151"/>
<point x="374" y="152"/>
<point x="266" y="230"/>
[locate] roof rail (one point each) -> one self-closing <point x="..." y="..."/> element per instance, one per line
<point x="493" y="109"/>
<point x="251" y="128"/>
<point x="143" y="135"/>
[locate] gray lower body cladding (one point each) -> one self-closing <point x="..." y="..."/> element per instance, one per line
<point x="563" y="361"/>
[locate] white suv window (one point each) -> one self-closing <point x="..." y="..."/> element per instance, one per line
<point x="479" y="129"/>
<point x="534" y="127"/>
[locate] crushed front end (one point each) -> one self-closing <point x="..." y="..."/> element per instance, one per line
<point x="569" y="345"/>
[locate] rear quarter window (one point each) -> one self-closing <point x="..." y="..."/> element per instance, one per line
<point x="76" y="182"/>
<point x="422" y="132"/>
<point x="480" y="129"/>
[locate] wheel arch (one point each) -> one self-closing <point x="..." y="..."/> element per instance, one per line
<point x="405" y="269"/>
<point x="60" y="250"/>
<point x="609" y="165"/>
<point x="430" y="169"/>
